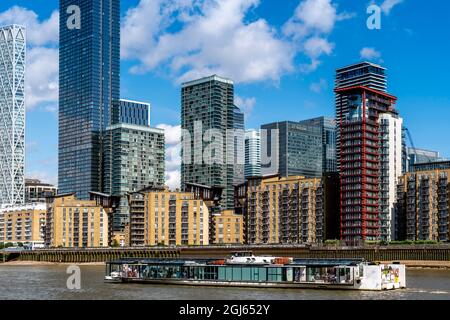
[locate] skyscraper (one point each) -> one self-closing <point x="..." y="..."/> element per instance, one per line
<point x="365" y="74"/>
<point x="252" y="153"/>
<point x="89" y="83"/>
<point x="239" y="147"/>
<point x="12" y="114"/>
<point x="300" y="149"/>
<point x="370" y="163"/>
<point x="208" y="103"/>
<point x="328" y="129"/>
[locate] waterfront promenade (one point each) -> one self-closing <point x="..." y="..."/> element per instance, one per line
<point x="413" y="255"/>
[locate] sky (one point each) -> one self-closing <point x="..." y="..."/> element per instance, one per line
<point x="282" y="59"/>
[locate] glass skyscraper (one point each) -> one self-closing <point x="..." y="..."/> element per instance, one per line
<point x="12" y="114"/>
<point x="300" y="149"/>
<point x="208" y="103"/>
<point x="252" y="153"/>
<point x="89" y="83"/>
<point x="328" y="129"/>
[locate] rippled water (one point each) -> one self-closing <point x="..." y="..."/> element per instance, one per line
<point x="49" y="282"/>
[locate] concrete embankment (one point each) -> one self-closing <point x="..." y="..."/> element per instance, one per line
<point x="425" y="254"/>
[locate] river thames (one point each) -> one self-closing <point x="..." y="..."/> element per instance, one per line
<point x="49" y="283"/>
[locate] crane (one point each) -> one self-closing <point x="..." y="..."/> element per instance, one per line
<point x="413" y="147"/>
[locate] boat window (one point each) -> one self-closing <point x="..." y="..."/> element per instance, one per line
<point x="237" y="273"/>
<point x="275" y="275"/>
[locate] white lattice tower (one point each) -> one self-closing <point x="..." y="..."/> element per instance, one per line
<point x="12" y="114"/>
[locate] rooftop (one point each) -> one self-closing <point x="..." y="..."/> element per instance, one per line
<point x="206" y="79"/>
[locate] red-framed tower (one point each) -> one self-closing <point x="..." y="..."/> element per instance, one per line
<point x="360" y="169"/>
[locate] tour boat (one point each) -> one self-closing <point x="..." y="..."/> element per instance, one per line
<point x="247" y="270"/>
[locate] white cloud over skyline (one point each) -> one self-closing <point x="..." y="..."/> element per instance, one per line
<point x="370" y="53"/>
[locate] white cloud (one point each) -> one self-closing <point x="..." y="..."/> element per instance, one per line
<point x="41" y="76"/>
<point x="173" y="159"/>
<point x="319" y="86"/>
<point x="38" y="33"/>
<point x="388" y="5"/>
<point x="245" y="104"/>
<point x="214" y="38"/>
<point x="369" y="53"/>
<point x="309" y="27"/>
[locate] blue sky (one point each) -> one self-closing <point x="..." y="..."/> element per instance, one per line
<point x="282" y="59"/>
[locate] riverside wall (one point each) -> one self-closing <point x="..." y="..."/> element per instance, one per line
<point x="371" y="253"/>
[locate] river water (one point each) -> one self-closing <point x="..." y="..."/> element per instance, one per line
<point x="49" y="282"/>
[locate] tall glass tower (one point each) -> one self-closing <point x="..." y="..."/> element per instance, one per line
<point x="12" y="114"/>
<point x="206" y="104"/>
<point x="89" y="83"/>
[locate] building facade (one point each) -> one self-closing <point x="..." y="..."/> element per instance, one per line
<point x="134" y="159"/>
<point x="285" y="210"/>
<point x="208" y="103"/>
<point x="391" y="168"/>
<point x="239" y="147"/>
<point x="131" y="112"/>
<point x="328" y="129"/>
<point x="89" y="83"/>
<point x="370" y="163"/>
<point x="12" y="114"/>
<point x="423" y="205"/>
<point x="229" y="228"/>
<point x="365" y="74"/>
<point x="299" y="149"/>
<point x="252" y="153"/>
<point x="36" y="191"/>
<point x="23" y="224"/>
<point x="161" y="217"/>
<point x="74" y="223"/>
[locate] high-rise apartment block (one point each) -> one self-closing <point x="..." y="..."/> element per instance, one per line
<point x="252" y="153"/>
<point x="12" y="114"/>
<point x="208" y="104"/>
<point x="89" y="83"/>
<point x="365" y="74"/>
<point x="370" y="162"/>
<point x="423" y="205"/>
<point x="158" y="216"/>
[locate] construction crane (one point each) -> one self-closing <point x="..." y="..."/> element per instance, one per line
<point x="413" y="146"/>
